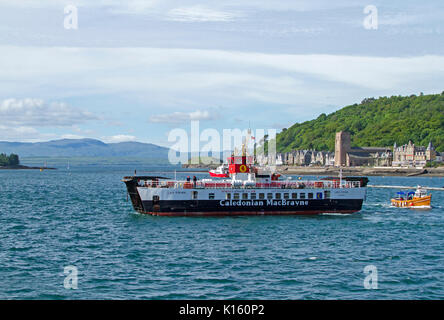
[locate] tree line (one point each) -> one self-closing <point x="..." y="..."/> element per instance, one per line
<point x="373" y="123"/>
<point x="10" y="160"/>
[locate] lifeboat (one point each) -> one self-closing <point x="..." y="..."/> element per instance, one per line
<point x="417" y="199"/>
<point x="220" y="172"/>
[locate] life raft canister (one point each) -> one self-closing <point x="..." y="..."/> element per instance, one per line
<point x="243" y="168"/>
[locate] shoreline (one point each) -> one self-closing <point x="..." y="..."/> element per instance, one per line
<point x="362" y="171"/>
<point x="21" y="167"/>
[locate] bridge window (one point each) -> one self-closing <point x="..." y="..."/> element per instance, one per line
<point x="269" y="196"/>
<point x="286" y="196"/>
<point x="253" y="196"/>
<point x="327" y="194"/>
<point x="236" y="196"/>
<point x="262" y="196"/>
<point x="277" y="196"/>
<point x="211" y="196"/>
<point x="302" y="196"/>
<point x="194" y="195"/>
<point x="310" y="195"/>
<point x="294" y="195"/>
<point x="244" y="196"/>
<point x="228" y="196"/>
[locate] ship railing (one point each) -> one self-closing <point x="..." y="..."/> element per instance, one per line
<point x="267" y="185"/>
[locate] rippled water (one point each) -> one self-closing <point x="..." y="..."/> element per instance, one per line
<point x="53" y="219"/>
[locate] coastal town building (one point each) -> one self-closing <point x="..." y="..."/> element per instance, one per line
<point x="410" y="155"/>
<point x="369" y="156"/>
<point x="300" y="158"/>
<point x="347" y="156"/>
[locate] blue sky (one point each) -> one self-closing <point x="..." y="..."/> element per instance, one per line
<point x="134" y="70"/>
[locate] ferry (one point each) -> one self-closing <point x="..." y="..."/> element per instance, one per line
<point x="417" y="199"/>
<point x="247" y="190"/>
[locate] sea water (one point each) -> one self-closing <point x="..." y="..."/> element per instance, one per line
<point x="53" y="222"/>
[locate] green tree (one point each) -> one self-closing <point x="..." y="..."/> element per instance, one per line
<point x="3" y="159"/>
<point x="13" y="159"/>
<point x="10" y="160"/>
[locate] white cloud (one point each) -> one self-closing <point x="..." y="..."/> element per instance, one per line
<point x="181" y="117"/>
<point x="201" y="72"/>
<point x="27" y="131"/>
<point x="119" y="138"/>
<point x="289" y="5"/>
<point x="141" y="6"/>
<point x="128" y="5"/>
<point x="22" y="133"/>
<point x="71" y="136"/>
<point x="201" y="14"/>
<point x="37" y="112"/>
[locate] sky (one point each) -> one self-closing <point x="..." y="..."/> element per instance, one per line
<point x="134" y="70"/>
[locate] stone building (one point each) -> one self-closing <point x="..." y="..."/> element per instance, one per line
<point x="323" y="158"/>
<point x="346" y="156"/>
<point x="369" y="156"/>
<point x="410" y="155"/>
<point x="300" y="158"/>
<point x="306" y="158"/>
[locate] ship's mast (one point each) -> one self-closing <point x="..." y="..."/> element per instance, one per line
<point x="340" y="177"/>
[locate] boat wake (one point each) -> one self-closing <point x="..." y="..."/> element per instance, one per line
<point x="421" y="207"/>
<point x="412" y="207"/>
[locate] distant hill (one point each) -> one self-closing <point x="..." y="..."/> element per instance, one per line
<point x="374" y="122"/>
<point x="84" y="148"/>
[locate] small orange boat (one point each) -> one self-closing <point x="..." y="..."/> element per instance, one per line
<point x="417" y="199"/>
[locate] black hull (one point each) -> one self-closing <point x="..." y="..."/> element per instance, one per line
<point x="214" y="208"/>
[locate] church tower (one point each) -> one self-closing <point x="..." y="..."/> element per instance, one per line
<point x="342" y="146"/>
